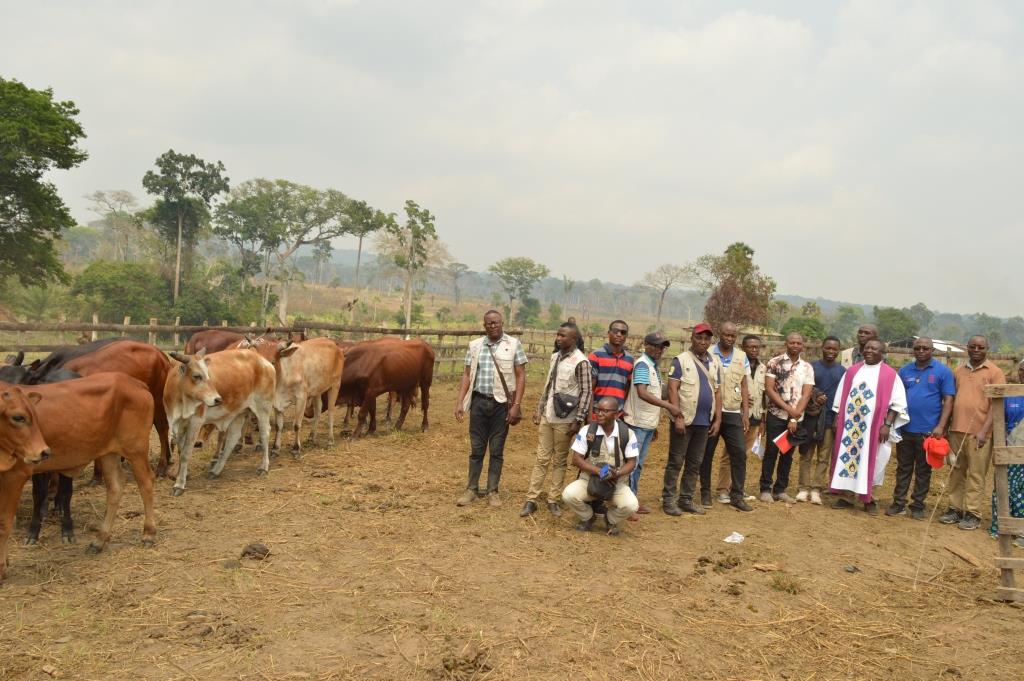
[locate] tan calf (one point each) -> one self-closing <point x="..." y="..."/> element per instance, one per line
<point x="305" y="372"/>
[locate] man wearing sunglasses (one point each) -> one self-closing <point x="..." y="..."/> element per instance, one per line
<point x="612" y="366"/>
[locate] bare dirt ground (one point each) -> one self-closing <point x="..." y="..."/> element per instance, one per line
<point x="374" y="573"/>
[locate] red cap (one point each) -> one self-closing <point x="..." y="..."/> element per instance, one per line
<point x="702" y="328"/>
<point x="935" y="451"/>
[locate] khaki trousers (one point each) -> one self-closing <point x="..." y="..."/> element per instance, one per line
<point x="967" y="479"/>
<point x="724" y="474"/>
<point x="815" y="459"/>
<point x="622" y="504"/>
<point x="553" y="440"/>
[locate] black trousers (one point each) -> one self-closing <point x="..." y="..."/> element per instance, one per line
<point x="773" y="427"/>
<point x="736" y="445"/>
<point x="685" y="453"/>
<point x="912" y="462"/>
<point x="487" y="429"/>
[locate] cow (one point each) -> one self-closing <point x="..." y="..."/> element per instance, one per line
<point x="219" y="389"/>
<point x="215" y="340"/>
<point x="305" y="371"/>
<point x="39" y="369"/>
<point x="96" y="418"/>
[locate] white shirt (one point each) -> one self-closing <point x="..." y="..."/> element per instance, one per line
<point x="632" y="450"/>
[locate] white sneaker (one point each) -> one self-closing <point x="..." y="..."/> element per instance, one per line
<point x="815" y="497"/>
<point x="723" y="498"/>
<point x="766" y="497"/>
<point x="801" y="495"/>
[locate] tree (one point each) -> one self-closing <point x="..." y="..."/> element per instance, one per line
<point x="894" y="324"/>
<point x="364" y="220"/>
<point x="455" y="270"/>
<point x="810" y="309"/>
<point x="184" y="183"/>
<point x="740" y="293"/>
<point x="847" y="319"/>
<point x="663" y="279"/>
<point x="117" y="210"/>
<point x="810" y="327"/>
<point x="779" y="311"/>
<point x="921" y="314"/>
<point x="567" y="286"/>
<point x="113" y="290"/>
<point x="409" y="249"/>
<point x="554" y="315"/>
<point x="518" y="277"/>
<point x="37" y="134"/>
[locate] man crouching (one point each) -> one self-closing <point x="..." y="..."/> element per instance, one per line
<point x="606" y="454"/>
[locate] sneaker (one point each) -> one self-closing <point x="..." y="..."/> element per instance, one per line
<point x="895" y="509"/>
<point x="723" y="498"/>
<point x="671" y="509"/>
<point x="494" y="499"/>
<point x="917" y="513"/>
<point x="554" y="509"/>
<point x="467" y="498"/>
<point x="644" y="509"/>
<point x="766" y="497"/>
<point x="841" y="504"/>
<point x="687" y="506"/>
<point x="802" y="495"/>
<point x="816" y="497"/>
<point x="970" y="522"/>
<point x="871" y="508"/>
<point x="528" y="509"/>
<point x="741" y="505"/>
<point x="705" y="499"/>
<point x="586" y="525"/>
<point x="784" y="498"/>
<point x="951" y="516"/>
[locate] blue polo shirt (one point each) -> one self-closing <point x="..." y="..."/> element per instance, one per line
<point x="925" y="389"/>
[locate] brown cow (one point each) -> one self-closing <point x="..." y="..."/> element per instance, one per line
<point x="96" y="418"/>
<point x="140" y="361"/>
<point x="220" y="389"/>
<point x="215" y="340"/>
<point x="305" y="371"/>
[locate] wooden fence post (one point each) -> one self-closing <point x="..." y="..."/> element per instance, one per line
<point x="95" y="320"/>
<point x="152" y="334"/>
<point x="1002" y="456"/>
<point x="177" y="338"/>
<point x="127" y="321"/>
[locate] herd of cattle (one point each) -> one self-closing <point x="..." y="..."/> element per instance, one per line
<point x="98" y="402"/>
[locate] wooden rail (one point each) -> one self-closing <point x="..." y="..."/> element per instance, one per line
<point x="1008" y="526"/>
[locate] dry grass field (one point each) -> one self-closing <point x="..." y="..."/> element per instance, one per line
<point x="374" y="573"/>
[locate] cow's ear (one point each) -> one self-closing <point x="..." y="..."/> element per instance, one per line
<point x="201" y="353"/>
<point x="287" y="351"/>
<point x="33" y="397"/>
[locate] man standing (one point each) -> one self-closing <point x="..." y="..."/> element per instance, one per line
<point x="571" y="321"/>
<point x="561" y="412"/>
<point x="735" y="420"/>
<point x="851" y="356"/>
<point x="493" y="405"/>
<point x="644" y="405"/>
<point x="788" y="382"/>
<point x="971" y="435"/>
<point x="816" y="455"/>
<point x="930" y="387"/>
<point x="871" y="406"/>
<point x="612" y="366"/>
<point x="693" y="387"/>
<point x="607" y="457"/>
<point x="751" y="346"/>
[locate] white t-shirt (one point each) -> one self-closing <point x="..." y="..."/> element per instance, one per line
<point x="632" y="449"/>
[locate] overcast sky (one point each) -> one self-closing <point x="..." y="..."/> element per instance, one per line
<point x="868" y="151"/>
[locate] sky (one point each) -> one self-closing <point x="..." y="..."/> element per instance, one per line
<point x="867" y="150"/>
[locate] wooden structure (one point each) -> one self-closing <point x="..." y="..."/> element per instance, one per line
<point x="1002" y="456"/>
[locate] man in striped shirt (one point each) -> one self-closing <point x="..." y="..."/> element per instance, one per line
<point x="612" y="366"/>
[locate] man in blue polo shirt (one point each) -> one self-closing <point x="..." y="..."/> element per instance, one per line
<point x="930" y="389"/>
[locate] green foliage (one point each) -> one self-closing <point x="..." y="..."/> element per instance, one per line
<point x="37" y="134"/>
<point x="811" y="328"/>
<point x="163" y="216"/>
<point x="444" y="315"/>
<point x="416" y="316"/>
<point x="38" y="303"/>
<point x="894" y="324"/>
<point x="198" y="303"/>
<point x="554" y="315"/>
<point x="528" y="314"/>
<point x="847" y="319"/>
<point x="810" y="309"/>
<point x="740" y="292"/>
<point x="113" y="290"/>
<point x="921" y="314"/>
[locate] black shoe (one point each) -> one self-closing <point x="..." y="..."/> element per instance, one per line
<point x="555" y="509"/>
<point x="895" y="509"/>
<point x="951" y="516"/>
<point x="741" y="505"/>
<point x="586" y="525"/>
<point x="671" y="509"/>
<point x="705" y="499"/>
<point x="871" y="508"/>
<point x="613" y="530"/>
<point x="528" y="508"/>
<point x="842" y="503"/>
<point x="599" y="507"/>
<point x="687" y="506"/>
<point x="970" y="522"/>
<point x="917" y="513"/>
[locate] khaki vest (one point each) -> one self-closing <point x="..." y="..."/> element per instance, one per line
<point x="732" y="378"/>
<point x="755" y="386"/>
<point x="505" y="352"/>
<point x="689" y="384"/>
<point x="639" y="413"/>
<point x="565" y="382"/>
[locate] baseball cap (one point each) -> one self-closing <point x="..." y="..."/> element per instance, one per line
<point x="702" y="328"/>
<point x="935" y="451"/>
<point x="657" y="338"/>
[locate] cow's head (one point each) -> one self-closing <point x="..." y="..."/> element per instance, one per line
<point x="20" y="437"/>
<point x="195" y="378"/>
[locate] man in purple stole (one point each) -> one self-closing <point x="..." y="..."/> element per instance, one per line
<point x="870" y="406"/>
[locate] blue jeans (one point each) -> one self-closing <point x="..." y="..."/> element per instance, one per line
<point x="643" y="440"/>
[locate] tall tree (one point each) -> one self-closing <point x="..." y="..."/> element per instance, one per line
<point x="662" y="280"/>
<point x="410" y="252"/>
<point x="37" y="134"/>
<point x="455" y="270"/>
<point x="740" y="292"/>
<point x="117" y="209"/>
<point x="921" y="314"/>
<point x="518" y="277"/>
<point x="567" y="286"/>
<point x="182" y="181"/>
<point x="847" y="319"/>
<point x="894" y="324"/>
<point x="364" y="220"/>
<point x="810" y="309"/>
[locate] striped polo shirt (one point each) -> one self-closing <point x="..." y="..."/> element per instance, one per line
<point x="611" y="373"/>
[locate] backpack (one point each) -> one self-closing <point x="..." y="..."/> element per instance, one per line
<point x="596" y="487"/>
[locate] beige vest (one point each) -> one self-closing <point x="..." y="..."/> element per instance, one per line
<point x="689" y="384"/>
<point x="505" y="352"/>
<point x="640" y="413"/>
<point x="732" y="380"/>
<point x="565" y="382"/>
<point x="755" y="386"/>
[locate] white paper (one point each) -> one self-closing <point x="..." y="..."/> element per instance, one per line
<point x="757" y="449"/>
<point x="734" y="538"/>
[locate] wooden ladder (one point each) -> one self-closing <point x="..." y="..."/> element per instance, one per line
<point x="1002" y="456"/>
